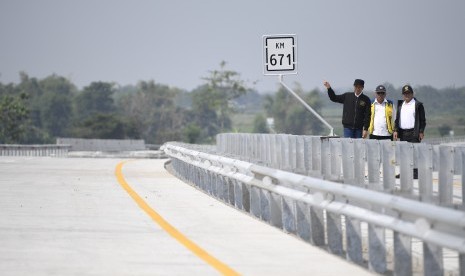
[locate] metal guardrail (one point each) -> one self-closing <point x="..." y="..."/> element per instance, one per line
<point x="372" y="164"/>
<point x="34" y="150"/>
<point x="326" y="213"/>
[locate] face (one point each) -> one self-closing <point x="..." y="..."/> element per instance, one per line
<point x="380" y="96"/>
<point x="408" y="96"/>
<point x="358" y="89"/>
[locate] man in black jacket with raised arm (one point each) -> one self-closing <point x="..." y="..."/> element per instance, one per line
<point x="356" y="109"/>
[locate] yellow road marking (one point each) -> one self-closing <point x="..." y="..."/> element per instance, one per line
<point x="194" y="248"/>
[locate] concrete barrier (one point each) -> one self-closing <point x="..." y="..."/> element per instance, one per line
<point x="34" y="150"/>
<point x="109" y="145"/>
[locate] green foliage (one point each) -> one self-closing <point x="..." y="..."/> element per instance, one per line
<point x="213" y="104"/>
<point x="39" y="110"/>
<point x="152" y="109"/>
<point x="260" y="125"/>
<point x="95" y="98"/>
<point x="14" y="114"/>
<point x="104" y="126"/>
<point x="290" y="116"/>
<point x="192" y="133"/>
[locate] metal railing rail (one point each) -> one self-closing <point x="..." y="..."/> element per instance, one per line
<point x="323" y="212"/>
<point x="34" y="150"/>
<point x="371" y="164"/>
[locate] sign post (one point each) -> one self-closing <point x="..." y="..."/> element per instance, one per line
<point x="280" y="58"/>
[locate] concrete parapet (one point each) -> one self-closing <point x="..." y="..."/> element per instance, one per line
<point x="109" y="145"/>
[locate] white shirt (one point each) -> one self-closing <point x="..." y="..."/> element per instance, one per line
<point x="407" y="115"/>
<point x="379" y="123"/>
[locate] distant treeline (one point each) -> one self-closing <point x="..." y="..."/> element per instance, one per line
<point x="36" y="111"/>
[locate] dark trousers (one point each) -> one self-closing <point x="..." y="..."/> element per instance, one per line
<point x="408" y="135"/>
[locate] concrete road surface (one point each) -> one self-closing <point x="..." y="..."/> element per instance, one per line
<point x="84" y="216"/>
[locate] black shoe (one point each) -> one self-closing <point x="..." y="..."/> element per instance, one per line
<point x="415" y="173"/>
<point x="398" y="175"/>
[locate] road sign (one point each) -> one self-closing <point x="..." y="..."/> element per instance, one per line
<point x="280" y="54"/>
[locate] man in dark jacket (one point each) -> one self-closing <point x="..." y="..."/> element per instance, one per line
<point x="356" y="109"/>
<point x="410" y="120"/>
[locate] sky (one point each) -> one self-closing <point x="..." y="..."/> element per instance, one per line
<point x="178" y="42"/>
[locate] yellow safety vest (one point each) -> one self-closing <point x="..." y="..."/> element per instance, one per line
<point x="389" y="122"/>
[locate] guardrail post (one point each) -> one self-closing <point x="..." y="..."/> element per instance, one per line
<point x="359" y="162"/>
<point x="446" y="175"/>
<point x="317" y="226"/>
<point x="214" y="184"/>
<point x="238" y="195"/>
<point x="265" y="204"/>
<point x="292" y="140"/>
<point x="280" y="151"/>
<point x="376" y="249"/>
<point x="203" y="180"/>
<point x="325" y="158"/>
<point x="336" y="159"/>
<point x="230" y="194"/>
<point x="374" y="162"/>
<point x="402" y="254"/>
<point x="302" y="213"/>
<point x="389" y="166"/>
<point x="286" y="152"/>
<point x="432" y="260"/>
<point x="255" y="202"/>
<point x="310" y="223"/>
<point x="334" y="230"/>
<point x="300" y="155"/>
<point x="308" y="155"/>
<point x="354" y="240"/>
<point x="209" y="182"/>
<point x="276" y="218"/>
<point x="424" y="155"/>
<point x="222" y="188"/>
<point x="348" y="161"/>
<point x="405" y="160"/>
<point x="288" y="215"/>
<point x="316" y="156"/>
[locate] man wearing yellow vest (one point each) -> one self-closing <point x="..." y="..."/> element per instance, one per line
<point x="381" y="120"/>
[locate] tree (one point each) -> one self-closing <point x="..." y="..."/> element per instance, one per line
<point x="95" y="98"/>
<point x="105" y="126"/>
<point x="14" y="114"/>
<point x="152" y="108"/>
<point x="260" y="125"/>
<point x="213" y="102"/>
<point x="55" y="105"/>
<point x="290" y="116"/>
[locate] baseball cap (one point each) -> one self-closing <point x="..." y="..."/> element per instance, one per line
<point x="380" y="88"/>
<point x="359" y="82"/>
<point x="407" y="88"/>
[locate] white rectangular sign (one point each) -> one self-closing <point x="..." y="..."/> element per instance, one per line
<point x="280" y="54"/>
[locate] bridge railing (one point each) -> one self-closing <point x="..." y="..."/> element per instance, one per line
<point x="372" y="164"/>
<point x="34" y="150"/>
<point x="329" y="214"/>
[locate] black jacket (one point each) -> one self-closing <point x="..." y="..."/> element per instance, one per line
<point x="356" y="110"/>
<point x="420" y="120"/>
